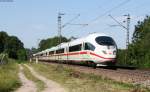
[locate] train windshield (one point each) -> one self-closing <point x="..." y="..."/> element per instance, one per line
<point x="105" y="40"/>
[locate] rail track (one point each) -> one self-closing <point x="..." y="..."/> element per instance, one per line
<point x="125" y="75"/>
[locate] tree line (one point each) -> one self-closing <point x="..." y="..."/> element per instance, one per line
<point x="12" y="46"/>
<point x="138" y="53"/>
<point x="50" y="42"/>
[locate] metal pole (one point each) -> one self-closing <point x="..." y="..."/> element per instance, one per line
<point x="59" y="30"/>
<point x="127" y="39"/>
<point x="128" y="28"/>
<point x="127" y="33"/>
<point x="59" y="27"/>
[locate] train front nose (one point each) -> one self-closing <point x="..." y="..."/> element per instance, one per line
<point x="107" y="55"/>
<point x="109" y="51"/>
<point x="106" y="47"/>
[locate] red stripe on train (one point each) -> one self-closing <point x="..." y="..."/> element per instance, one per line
<point x="100" y="56"/>
<point x="85" y="52"/>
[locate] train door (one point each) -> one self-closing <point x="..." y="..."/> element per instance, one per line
<point x="67" y="52"/>
<point x="83" y="56"/>
<point x="74" y="52"/>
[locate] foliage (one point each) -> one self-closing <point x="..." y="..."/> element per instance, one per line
<point x="30" y="52"/>
<point x="21" y="54"/>
<point x="11" y="45"/>
<point x="50" y="42"/>
<point x="4" y="59"/>
<point x="3" y="40"/>
<point x="121" y="57"/>
<point x="9" y="80"/>
<point x="138" y="53"/>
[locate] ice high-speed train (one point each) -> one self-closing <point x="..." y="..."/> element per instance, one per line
<point x="94" y="50"/>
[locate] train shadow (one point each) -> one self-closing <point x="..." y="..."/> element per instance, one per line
<point x="126" y="67"/>
<point x="108" y="67"/>
<point x="112" y="67"/>
<point x="115" y="67"/>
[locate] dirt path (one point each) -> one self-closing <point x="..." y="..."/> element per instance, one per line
<point x="27" y="85"/>
<point x="51" y="86"/>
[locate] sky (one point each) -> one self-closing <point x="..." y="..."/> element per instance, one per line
<point x="33" y="20"/>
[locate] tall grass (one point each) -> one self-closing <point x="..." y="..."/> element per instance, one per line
<point x="9" y="80"/>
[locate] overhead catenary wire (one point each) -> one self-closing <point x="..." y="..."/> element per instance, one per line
<point x="109" y="11"/>
<point x="127" y="27"/>
<point x="117" y="21"/>
<point x="105" y="13"/>
<point x="70" y="21"/>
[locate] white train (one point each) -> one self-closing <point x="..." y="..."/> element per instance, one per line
<point x="94" y="50"/>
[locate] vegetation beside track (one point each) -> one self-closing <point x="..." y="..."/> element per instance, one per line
<point x="138" y="53"/>
<point x="13" y="46"/>
<point x="80" y="82"/>
<point x="9" y="79"/>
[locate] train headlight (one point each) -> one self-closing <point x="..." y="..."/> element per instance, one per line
<point x="104" y="52"/>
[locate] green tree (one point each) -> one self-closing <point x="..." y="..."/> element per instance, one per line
<point x="139" y="49"/>
<point x="50" y="42"/>
<point x="3" y="40"/>
<point x="141" y="43"/>
<point x="12" y="46"/>
<point x="21" y="54"/>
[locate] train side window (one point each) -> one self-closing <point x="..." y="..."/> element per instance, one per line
<point x="75" y="48"/>
<point x="60" y="51"/>
<point x="51" y="52"/>
<point x="89" y="46"/>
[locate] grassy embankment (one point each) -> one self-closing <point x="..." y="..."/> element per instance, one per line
<point x="40" y="85"/>
<point x="80" y="82"/>
<point x="9" y="79"/>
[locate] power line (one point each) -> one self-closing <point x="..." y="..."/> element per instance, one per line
<point x="60" y="26"/>
<point x="70" y="21"/>
<point x="116" y="7"/>
<point x="127" y="27"/>
<point x="117" y="22"/>
<point x="100" y="16"/>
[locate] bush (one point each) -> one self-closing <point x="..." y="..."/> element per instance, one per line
<point x="3" y="59"/>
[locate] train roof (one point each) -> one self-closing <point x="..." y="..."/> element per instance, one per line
<point x="74" y="42"/>
<point x="80" y="40"/>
